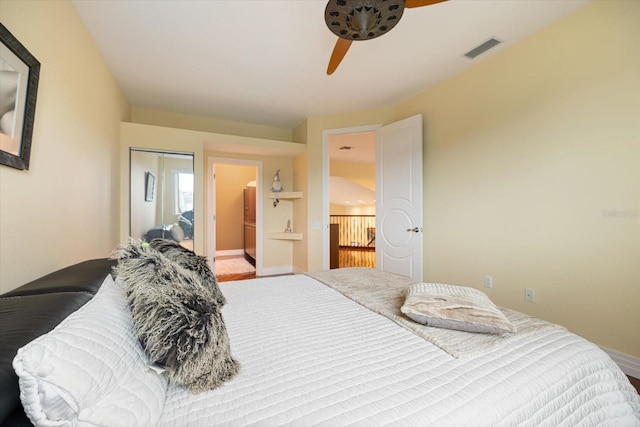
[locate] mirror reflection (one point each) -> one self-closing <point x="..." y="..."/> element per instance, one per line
<point x="9" y="80"/>
<point x="161" y="191"/>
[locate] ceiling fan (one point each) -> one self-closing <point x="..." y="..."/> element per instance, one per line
<point x="363" y="20"/>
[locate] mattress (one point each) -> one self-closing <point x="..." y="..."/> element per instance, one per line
<point x="311" y="356"/>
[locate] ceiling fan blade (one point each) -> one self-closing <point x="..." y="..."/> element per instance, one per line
<point x="339" y="51"/>
<point x="419" y="3"/>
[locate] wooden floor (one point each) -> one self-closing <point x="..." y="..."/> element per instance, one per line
<point x="635" y="382"/>
<point x="230" y="277"/>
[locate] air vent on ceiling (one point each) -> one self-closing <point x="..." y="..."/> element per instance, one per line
<point x="482" y="48"/>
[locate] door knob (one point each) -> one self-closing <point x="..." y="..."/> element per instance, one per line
<point x="415" y="229"/>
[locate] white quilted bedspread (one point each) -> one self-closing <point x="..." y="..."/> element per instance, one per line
<point x="310" y="356"/>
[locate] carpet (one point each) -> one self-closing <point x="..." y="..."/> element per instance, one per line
<point x="233" y="266"/>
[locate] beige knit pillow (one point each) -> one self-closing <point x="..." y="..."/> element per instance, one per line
<point x="454" y="307"/>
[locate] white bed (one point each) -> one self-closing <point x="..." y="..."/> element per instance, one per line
<point x="312" y="357"/>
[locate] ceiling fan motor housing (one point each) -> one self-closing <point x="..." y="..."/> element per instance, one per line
<point x="362" y="19"/>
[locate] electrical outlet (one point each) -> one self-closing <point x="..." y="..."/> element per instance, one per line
<point x="529" y="295"/>
<point x="488" y="282"/>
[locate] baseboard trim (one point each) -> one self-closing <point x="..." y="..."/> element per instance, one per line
<point x="276" y="271"/>
<point x="230" y="252"/>
<point x="630" y="365"/>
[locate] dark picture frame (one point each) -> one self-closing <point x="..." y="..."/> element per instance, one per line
<point x="18" y="93"/>
<point x="149" y="186"/>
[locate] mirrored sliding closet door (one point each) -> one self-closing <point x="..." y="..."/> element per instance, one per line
<point x="161" y="196"/>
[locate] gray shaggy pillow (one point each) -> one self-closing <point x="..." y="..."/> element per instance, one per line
<point x="178" y="322"/>
<point x="189" y="260"/>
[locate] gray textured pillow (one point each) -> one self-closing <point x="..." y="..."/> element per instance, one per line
<point x="454" y="307"/>
<point x="177" y="320"/>
<point x="189" y="260"/>
<point x="177" y="233"/>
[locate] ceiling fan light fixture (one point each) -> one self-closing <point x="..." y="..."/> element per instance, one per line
<point x="362" y="19"/>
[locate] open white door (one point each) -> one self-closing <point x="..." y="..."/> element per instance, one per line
<point x="399" y="237"/>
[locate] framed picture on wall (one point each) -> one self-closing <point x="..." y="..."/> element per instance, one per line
<point x="19" y="74"/>
<point x="149" y="186"/>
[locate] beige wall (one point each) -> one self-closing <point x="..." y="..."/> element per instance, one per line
<point x="351" y="210"/>
<point x="231" y="181"/>
<point x="65" y="208"/>
<point x="361" y="210"/>
<point x="337" y="209"/>
<point x="149" y="116"/>
<point x="525" y="154"/>
<point x="360" y="173"/>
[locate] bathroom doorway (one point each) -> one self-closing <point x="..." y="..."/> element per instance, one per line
<point x="235" y="218"/>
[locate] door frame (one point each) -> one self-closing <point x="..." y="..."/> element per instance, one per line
<point x="211" y="206"/>
<point x="325" y="182"/>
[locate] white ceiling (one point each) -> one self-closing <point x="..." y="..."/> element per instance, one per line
<point x="345" y="192"/>
<point x="362" y="147"/>
<point x="264" y="61"/>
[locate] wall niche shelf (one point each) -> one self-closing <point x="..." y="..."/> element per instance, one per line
<point x="286" y="195"/>
<point x="285" y="236"/>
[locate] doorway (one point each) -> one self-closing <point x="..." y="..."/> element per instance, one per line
<point x="234" y="246"/>
<point x="352" y="199"/>
<point x="326" y="136"/>
<point x="398" y="232"/>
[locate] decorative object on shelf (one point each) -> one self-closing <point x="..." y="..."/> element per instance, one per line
<point x="285" y="236"/>
<point x="288" y="229"/>
<point x="289" y="195"/>
<point x="19" y="74"/>
<point x="276" y="187"/>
